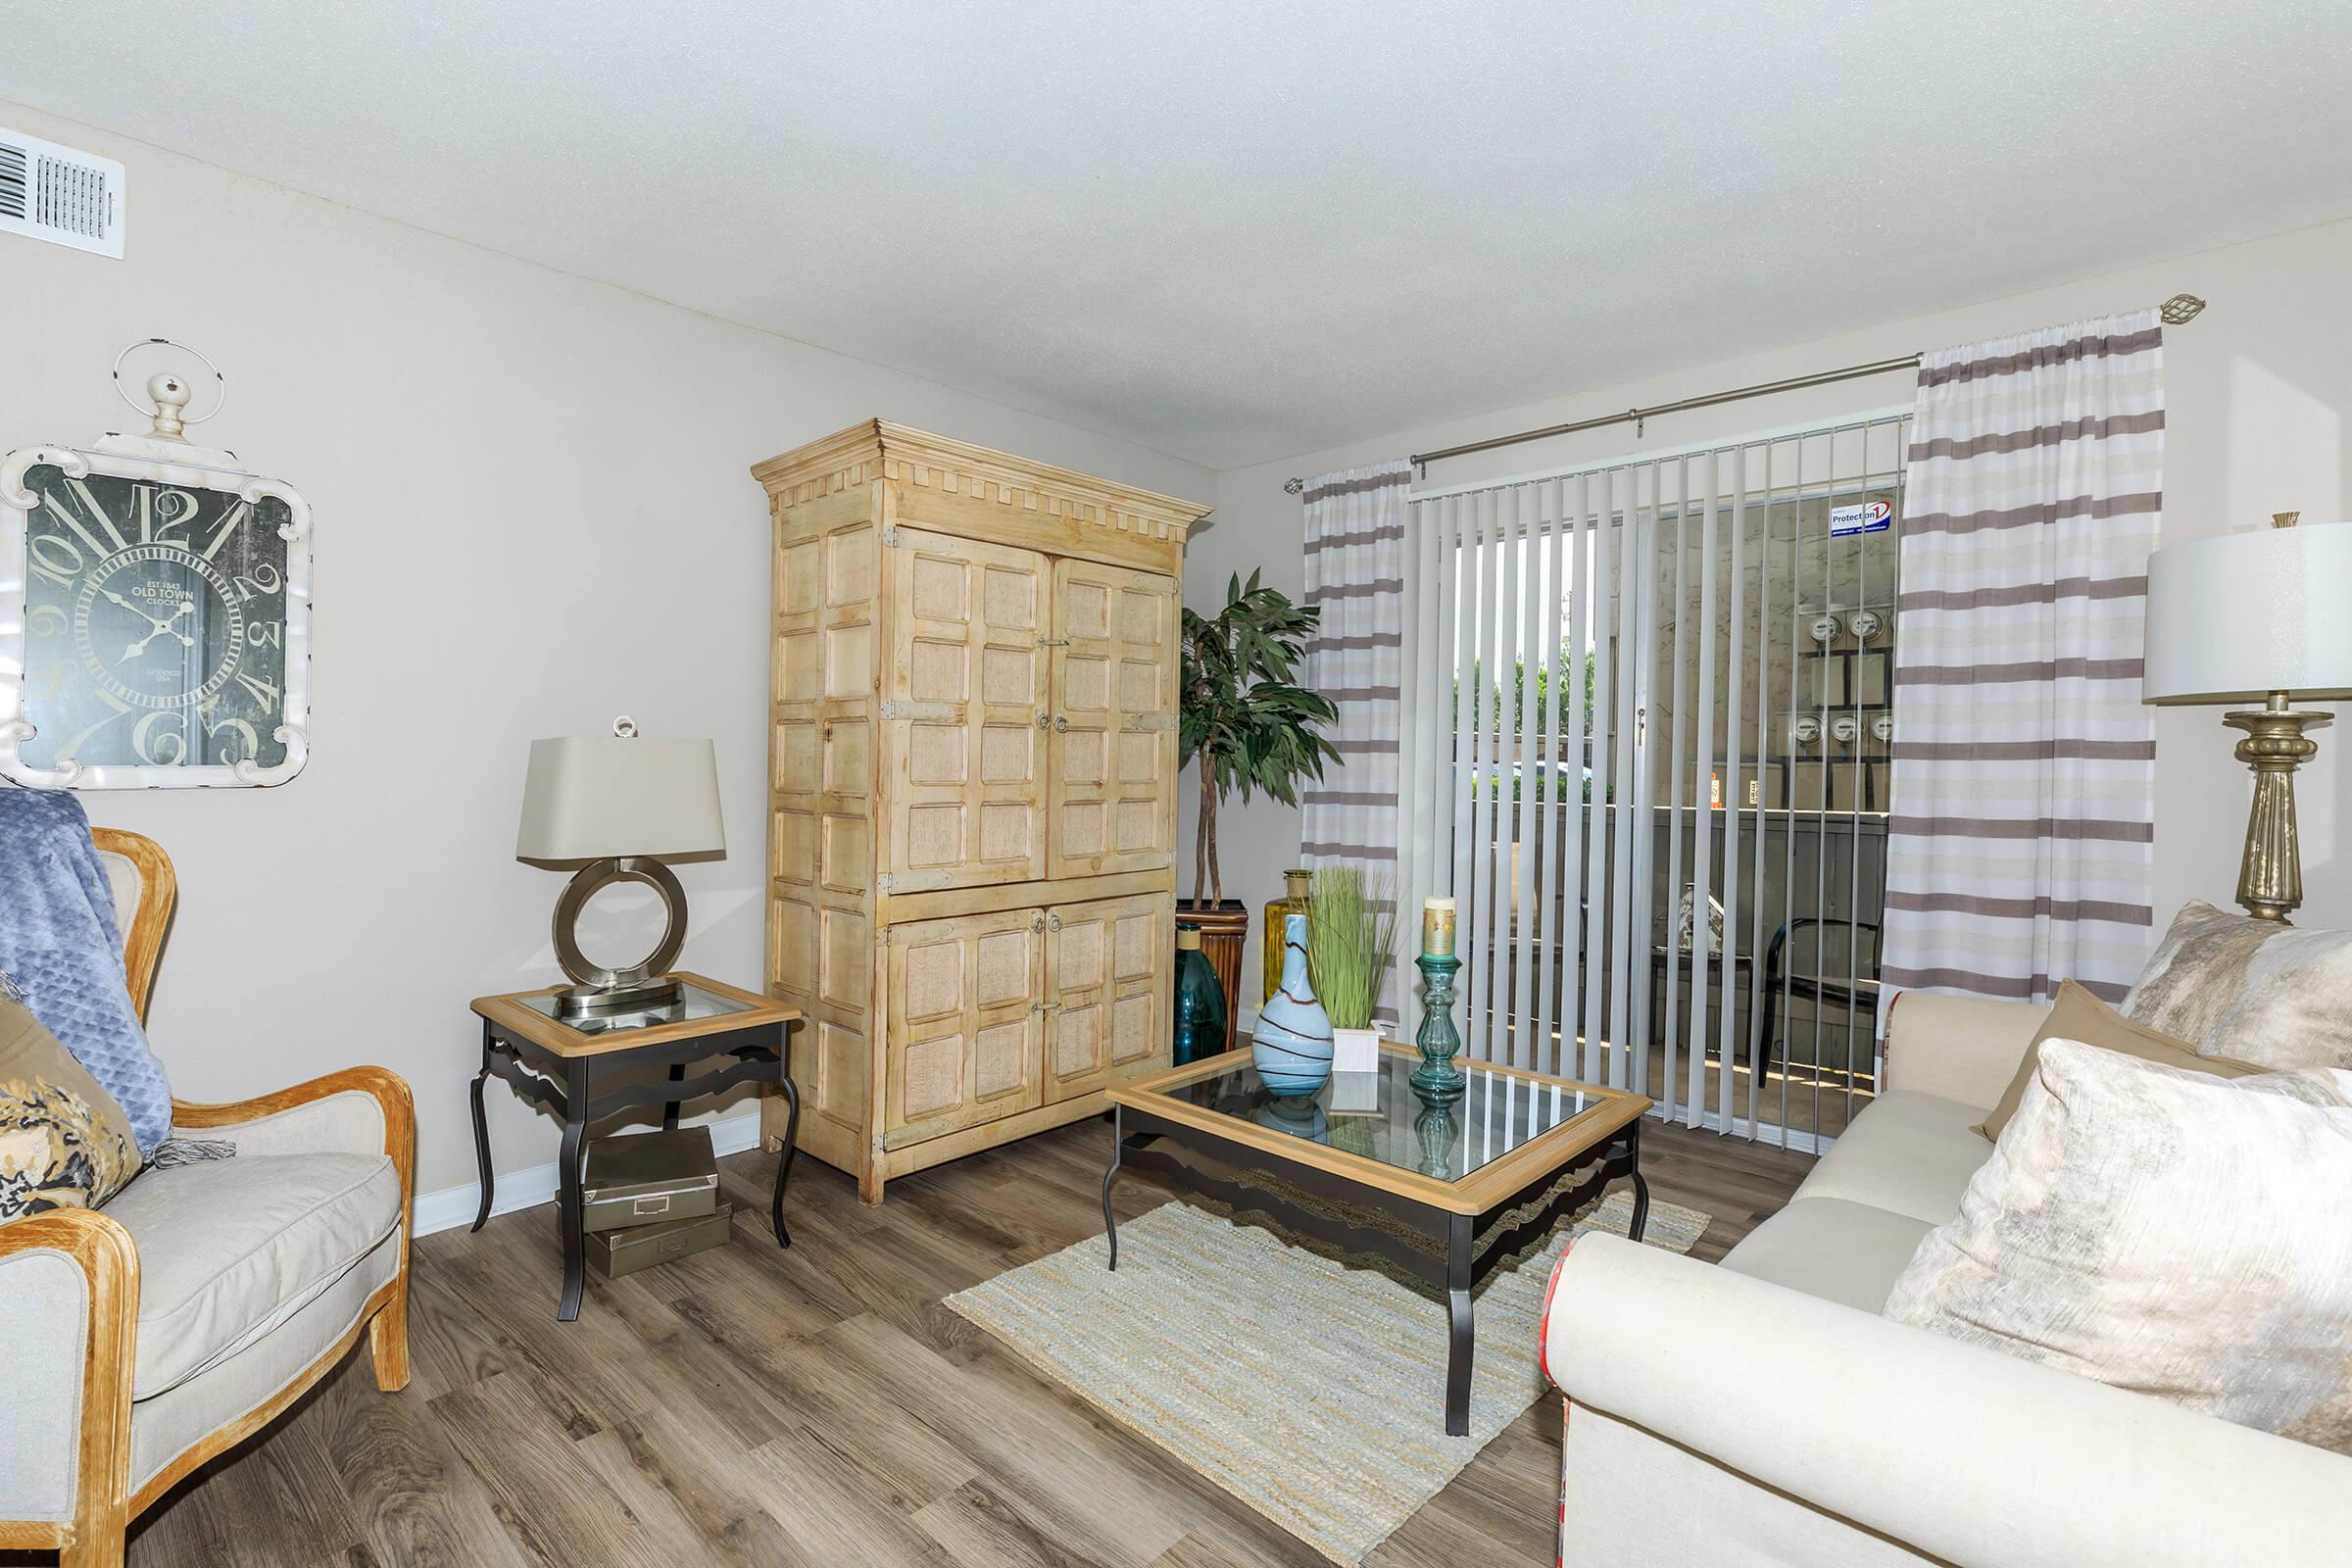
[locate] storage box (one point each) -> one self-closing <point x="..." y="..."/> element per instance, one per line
<point x="625" y="1252"/>
<point x="646" y="1177"/>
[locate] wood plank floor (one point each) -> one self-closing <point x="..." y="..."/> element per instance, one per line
<point x="818" y="1406"/>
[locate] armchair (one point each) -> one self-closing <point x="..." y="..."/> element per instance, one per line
<point x="147" y="1338"/>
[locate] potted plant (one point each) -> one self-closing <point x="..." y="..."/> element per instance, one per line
<point x="1251" y="727"/>
<point x="1351" y="943"/>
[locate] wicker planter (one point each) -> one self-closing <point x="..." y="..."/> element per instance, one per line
<point x="1225" y="938"/>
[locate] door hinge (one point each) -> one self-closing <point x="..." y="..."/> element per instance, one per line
<point x="892" y="538"/>
<point x="882" y="883"/>
<point x="1154" y="723"/>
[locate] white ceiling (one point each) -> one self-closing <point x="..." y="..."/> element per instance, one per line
<point x="1236" y="230"/>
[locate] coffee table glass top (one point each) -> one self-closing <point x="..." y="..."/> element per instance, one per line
<point x="692" y="1002"/>
<point x="1378" y="1116"/>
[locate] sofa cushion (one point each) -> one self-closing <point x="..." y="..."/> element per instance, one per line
<point x="2079" y="1016"/>
<point x="230" y="1249"/>
<point x="1910" y="1153"/>
<point x="2164" y="1231"/>
<point x="2253" y="989"/>
<point x="1833" y="1249"/>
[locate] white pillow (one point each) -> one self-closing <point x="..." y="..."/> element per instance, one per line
<point x="2164" y="1231"/>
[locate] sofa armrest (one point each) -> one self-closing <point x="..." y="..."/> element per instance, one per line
<point x="1962" y="1453"/>
<point x="1959" y="1048"/>
<point x="70" y="1304"/>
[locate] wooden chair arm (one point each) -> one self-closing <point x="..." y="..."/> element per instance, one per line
<point x="102" y="1249"/>
<point x="391" y="1093"/>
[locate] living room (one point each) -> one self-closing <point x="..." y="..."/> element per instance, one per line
<point x="851" y="493"/>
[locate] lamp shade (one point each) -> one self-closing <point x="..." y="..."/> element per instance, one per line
<point x="2234" y="619"/>
<point x="601" y="796"/>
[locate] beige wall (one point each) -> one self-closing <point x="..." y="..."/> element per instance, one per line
<point x="533" y="514"/>
<point x="2258" y="400"/>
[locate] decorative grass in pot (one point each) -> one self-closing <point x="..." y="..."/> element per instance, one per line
<point x="1350" y="943"/>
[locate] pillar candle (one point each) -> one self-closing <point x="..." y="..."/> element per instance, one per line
<point x="1437" y="927"/>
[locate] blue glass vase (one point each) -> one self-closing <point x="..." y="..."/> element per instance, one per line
<point x="1199" y="999"/>
<point x="1291" y="1047"/>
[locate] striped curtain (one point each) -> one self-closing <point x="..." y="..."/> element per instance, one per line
<point x="1355" y="576"/>
<point x="2024" y="763"/>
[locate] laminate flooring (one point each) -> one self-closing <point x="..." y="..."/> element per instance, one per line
<point x="761" y="1407"/>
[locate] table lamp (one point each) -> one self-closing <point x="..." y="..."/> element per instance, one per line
<point x="2258" y="617"/>
<point x="616" y="808"/>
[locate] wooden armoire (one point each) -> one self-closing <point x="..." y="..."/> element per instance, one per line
<point x="971" y="847"/>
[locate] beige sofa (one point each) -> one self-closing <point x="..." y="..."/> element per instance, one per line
<point x="1762" y="1412"/>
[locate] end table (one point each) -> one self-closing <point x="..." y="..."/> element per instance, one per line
<point x="556" y="1062"/>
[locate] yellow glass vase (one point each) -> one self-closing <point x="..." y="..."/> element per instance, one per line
<point x="1294" y="901"/>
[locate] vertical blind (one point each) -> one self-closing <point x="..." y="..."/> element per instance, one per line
<point x="1610" y="675"/>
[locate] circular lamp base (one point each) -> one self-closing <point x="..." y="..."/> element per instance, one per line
<point x="645" y="984"/>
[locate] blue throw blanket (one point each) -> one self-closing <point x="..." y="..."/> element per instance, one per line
<point x="60" y="946"/>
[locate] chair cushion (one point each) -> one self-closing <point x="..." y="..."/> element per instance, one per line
<point x="1837" y="1250"/>
<point x="1910" y="1153"/>
<point x="230" y="1249"/>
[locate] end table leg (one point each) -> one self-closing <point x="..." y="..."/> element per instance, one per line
<point x="792" y="1129"/>
<point x="1111" y="1224"/>
<point x="481" y="1138"/>
<point x="1459" y="1345"/>
<point x="567" y="1192"/>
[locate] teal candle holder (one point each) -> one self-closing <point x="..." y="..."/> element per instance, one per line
<point x="1438" y="1081"/>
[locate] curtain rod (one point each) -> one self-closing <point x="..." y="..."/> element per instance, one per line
<point x="2180" y="308"/>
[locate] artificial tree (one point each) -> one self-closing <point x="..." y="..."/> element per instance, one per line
<point x="1248" y="723"/>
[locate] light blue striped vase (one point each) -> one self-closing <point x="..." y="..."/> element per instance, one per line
<point x="1291" y="1047"/>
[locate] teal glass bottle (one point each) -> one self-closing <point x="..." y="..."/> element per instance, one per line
<point x="1199" y="999"/>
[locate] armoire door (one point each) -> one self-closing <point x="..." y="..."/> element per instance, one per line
<point x="1108" y="1004"/>
<point x="965" y="712"/>
<point x="964" y="1023"/>
<point x="1113" y="773"/>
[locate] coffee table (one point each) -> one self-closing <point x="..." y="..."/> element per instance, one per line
<point x="1471" y="1183"/>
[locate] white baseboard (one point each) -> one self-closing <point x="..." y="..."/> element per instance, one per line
<point x="453" y="1206"/>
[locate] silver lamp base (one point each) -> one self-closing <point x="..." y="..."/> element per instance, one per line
<point x="598" y="991"/>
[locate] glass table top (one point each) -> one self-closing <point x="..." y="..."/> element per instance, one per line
<point x="1378" y="1115"/>
<point x="692" y="1002"/>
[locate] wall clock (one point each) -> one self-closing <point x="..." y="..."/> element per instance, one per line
<point x="154" y="612"/>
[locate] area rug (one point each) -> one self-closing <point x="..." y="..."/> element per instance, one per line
<point x="1311" y="1390"/>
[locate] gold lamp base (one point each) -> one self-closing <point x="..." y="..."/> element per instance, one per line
<point x="2269" y="879"/>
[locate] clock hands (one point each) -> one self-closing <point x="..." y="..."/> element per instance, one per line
<point x="163" y="627"/>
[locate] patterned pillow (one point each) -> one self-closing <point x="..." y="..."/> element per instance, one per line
<point x="2253" y="989"/>
<point x="2164" y="1231"/>
<point x="64" y="1142"/>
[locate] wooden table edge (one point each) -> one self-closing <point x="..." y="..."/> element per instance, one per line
<point x="1483" y="1189"/>
<point x="508" y="1012"/>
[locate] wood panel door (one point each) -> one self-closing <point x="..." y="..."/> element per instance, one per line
<point x="1114" y="666"/>
<point x="965" y="712"/>
<point x="965" y="1022"/>
<point x="1109" y="1014"/>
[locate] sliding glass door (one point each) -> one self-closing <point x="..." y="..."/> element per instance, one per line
<point x="1650" y="758"/>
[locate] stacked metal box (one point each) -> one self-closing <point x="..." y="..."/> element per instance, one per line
<point x="651" y="1198"/>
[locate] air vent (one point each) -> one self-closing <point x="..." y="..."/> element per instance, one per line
<point x="56" y="194"/>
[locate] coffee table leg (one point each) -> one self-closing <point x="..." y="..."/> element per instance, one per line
<point x="1118" y="1144"/>
<point x="1640" y="1220"/>
<point x="1459" y="1345"/>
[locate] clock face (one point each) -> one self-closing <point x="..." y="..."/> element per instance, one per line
<point x="154" y="623"/>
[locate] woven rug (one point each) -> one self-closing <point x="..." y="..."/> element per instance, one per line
<point x="1311" y="1389"/>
